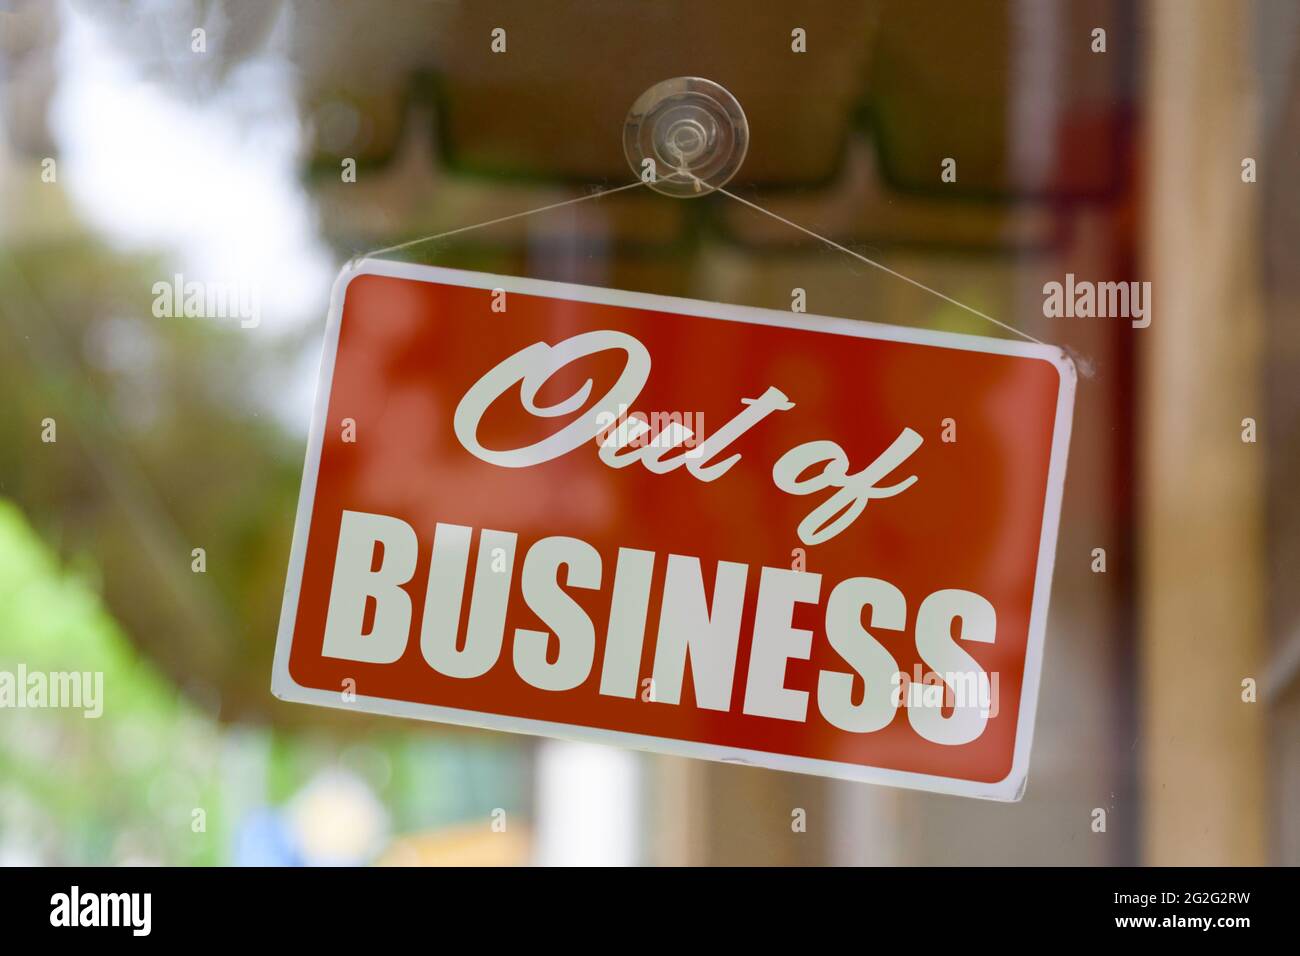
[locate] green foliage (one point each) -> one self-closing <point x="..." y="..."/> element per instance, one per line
<point x="74" y="788"/>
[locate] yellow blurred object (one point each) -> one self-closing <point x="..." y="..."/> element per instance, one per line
<point x="465" y="845"/>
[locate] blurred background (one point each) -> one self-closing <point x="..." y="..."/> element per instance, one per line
<point x="263" y="143"/>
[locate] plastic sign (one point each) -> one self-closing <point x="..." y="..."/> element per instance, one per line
<point x="804" y="543"/>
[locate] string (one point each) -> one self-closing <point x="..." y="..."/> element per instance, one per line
<point x="882" y="267"/>
<point x="493" y="222"/>
<point x="730" y="195"/>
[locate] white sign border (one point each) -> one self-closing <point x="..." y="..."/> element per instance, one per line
<point x="1010" y="788"/>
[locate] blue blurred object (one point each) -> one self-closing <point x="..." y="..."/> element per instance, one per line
<point x="263" y="839"/>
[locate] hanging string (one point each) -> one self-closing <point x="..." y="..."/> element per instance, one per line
<point x="493" y="222"/>
<point x="730" y="195"/>
<point x="883" y="268"/>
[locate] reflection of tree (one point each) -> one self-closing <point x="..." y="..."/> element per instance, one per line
<point x="122" y="786"/>
<point x="153" y="779"/>
<point x="164" y="444"/>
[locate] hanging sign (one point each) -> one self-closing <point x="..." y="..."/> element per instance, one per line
<point x="804" y="543"/>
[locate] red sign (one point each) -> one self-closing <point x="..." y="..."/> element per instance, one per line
<point x="803" y="543"/>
